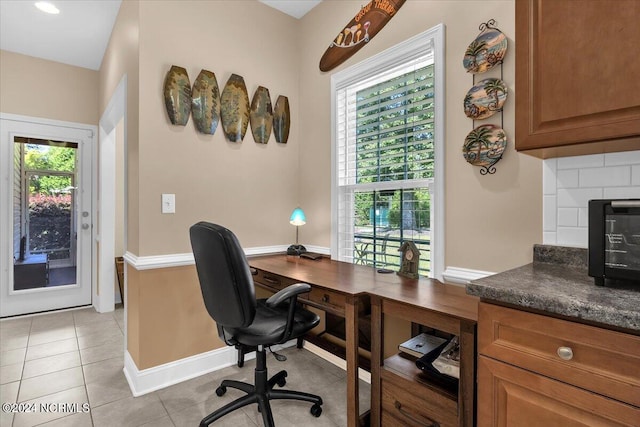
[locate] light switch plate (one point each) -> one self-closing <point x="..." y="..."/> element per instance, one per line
<point x="168" y="203"/>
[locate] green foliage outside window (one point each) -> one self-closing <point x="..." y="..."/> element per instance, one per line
<point x="49" y="158"/>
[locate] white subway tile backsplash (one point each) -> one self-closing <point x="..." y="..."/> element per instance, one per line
<point x="583" y="217"/>
<point x="549" y="238"/>
<point x="549" y="171"/>
<point x="622" y="193"/>
<point x="635" y="175"/>
<point x="549" y="213"/>
<point x="568" y="178"/>
<point x="573" y="236"/>
<point x="622" y="158"/>
<point x="614" y="176"/>
<point x="578" y="162"/>
<point x="567" y="217"/>
<point x="570" y="182"/>
<point x="577" y="197"/>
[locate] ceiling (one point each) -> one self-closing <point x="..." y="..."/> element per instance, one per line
<point x="79" y="34"/>
<point x="295" y="8"/>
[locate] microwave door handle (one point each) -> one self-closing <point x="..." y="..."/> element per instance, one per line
<point x="616" y="204"/>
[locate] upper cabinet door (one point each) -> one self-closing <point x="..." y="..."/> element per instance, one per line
<point x="577" y="76"/>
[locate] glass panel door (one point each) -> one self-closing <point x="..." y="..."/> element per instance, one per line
<point x="45" y="213"/>
<point x="46" y="233"/>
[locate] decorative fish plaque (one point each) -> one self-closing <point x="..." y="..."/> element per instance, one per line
<point x="205" y="106"/>
<point x="281" y="119"/>
<point x="234" y="109"/>
<point x="363" y="27"/>
<point x="261" y="115"/>
<point x="177" y="95"/>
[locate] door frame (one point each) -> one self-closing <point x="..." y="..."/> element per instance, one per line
<point x="103" y="296"/>
<point x="7" y="188"/>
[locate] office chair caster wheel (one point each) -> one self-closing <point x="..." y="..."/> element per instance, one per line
<point x="316" y="410"/>
<point x="220" y="391"/>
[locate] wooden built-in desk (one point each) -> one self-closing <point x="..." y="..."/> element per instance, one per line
<point x="338" y="287"/>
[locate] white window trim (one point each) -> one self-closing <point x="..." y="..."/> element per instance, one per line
<point x="407" y="50"/>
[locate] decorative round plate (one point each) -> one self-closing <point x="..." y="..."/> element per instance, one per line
<point x="484" y="146"/>
<point x="485" y="99"/>
<point x="486" y="51"/>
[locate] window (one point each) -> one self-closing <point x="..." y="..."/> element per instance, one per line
<point x="387" y="155"/>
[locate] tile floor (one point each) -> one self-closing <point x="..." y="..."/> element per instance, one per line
<point x="77" y="357"/>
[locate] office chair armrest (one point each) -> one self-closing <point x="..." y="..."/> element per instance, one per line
<point x="287" y="293"/>
<point x="290" y="294"/>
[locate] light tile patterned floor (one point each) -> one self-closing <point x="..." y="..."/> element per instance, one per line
<point x="77" y="357"/>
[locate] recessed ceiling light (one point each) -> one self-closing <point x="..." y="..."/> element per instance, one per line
<point x="47" y="7"/>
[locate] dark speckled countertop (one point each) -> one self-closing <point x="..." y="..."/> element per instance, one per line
<point x="557" y="282"/>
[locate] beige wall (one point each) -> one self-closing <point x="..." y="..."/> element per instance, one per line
<point x="122" y="58"/>
<point x="491" y="221"/>
<point x="248" y="187"/>
<point x="170" y="319"/>
<point x="39" y="88"/>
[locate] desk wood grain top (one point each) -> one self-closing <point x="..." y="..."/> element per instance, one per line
<point x="353" y="279"/>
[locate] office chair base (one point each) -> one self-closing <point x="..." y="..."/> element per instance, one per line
<point x="261" y="393"/>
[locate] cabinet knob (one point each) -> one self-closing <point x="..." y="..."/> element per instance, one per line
<point x="565" y="353"/>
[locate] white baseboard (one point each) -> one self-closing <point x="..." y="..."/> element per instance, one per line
<point x="462" y="276"/>
<point x="148" y="380"/>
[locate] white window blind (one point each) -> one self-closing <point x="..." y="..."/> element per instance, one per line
<point x="385" y="157"/>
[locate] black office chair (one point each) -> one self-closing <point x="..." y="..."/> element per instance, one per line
<point x="229" y="296"/>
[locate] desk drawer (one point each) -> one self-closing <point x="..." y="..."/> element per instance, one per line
<point x="595" y="359"/>
<point x="272" y="281"/>
<point x="332" y="302"/>
<point x="407" y="403"/>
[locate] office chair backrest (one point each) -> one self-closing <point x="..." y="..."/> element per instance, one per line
<point x="224" y="274"/>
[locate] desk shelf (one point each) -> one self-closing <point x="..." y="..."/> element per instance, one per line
<point x="405" y="366"/>
<point x="403" y="394"/>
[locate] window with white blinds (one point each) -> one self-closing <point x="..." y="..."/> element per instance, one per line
<point x="386" y="146"/>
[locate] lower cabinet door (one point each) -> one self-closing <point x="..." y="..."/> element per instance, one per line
<point x="510" y="396"/>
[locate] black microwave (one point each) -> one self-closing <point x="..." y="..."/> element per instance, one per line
<point x="614" y="240"/>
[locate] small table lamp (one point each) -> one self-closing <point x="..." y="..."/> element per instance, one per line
<point x="297" y="219"/>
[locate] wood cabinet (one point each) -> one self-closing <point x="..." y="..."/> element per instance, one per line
<point x="577" y="69"/>
<point x="401" y="393"/>
<point x="547" y="371"/>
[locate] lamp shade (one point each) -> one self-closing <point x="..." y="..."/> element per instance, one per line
<point x="297" y="217"/>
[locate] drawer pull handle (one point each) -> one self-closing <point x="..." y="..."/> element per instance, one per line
<point x="413" y="418"/>
<point x="272" y="281"/>
<point x="325" y="298"/>
<point x="565" y="353"/>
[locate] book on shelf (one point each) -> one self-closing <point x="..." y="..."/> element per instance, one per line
<point x="422" y="344"/>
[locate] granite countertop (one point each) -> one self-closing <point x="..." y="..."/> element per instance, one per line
<point x="557" y="282"/>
